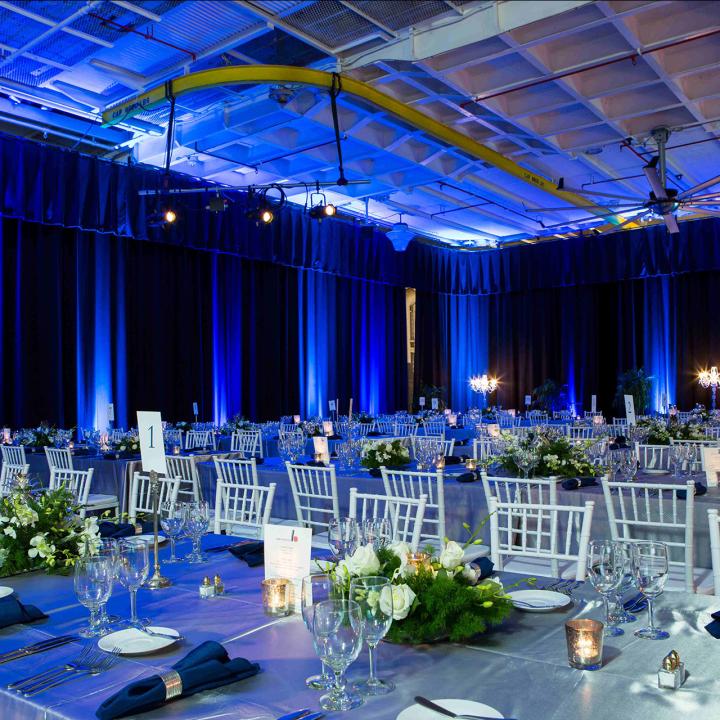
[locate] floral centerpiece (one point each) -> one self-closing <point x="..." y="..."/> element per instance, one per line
<point x="41" y="436"/>
<point x="127" y="445"/>
<point x="236" y="423"/>
<point x="312" y="428"/>
<point x="42" y="531"/>
<point x="659" y="432"/>
<point x="550" y="453"/>
<point x="384" y="452"/>
<point x="433" y="597"/>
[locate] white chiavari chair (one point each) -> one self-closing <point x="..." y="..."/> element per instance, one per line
<point x="141" y="495"/>
<point x="550" y="539"/>
<point x="79" y="482"/>
<point x="59" y="459"/>
<point x="654" y="511"/>
<point x="13" y="454"/>
<point x="184" y="468"/>
<point x="238" y="472"/>
<point x="520" y="431"/>
<point x="436" y="426"/>
<point x="385" y="426"/>
<point x="714" y="526"/>
<point x="242" y="509"/>
<point x="579" y="433"/>
<point x="314" y="491"/>
<point x="116" y="435"/>
<point x="620" y="422"/>
<point x="697" y="460"/>
<point x="404" y="429"/>
<point x="173" y="436"/>
<point x="684" y="416"/>
<point x="362" y="429"/>
<point x="199" y="439"/>
<point x="713" y="432"/>
<point x="406" y="516"/>
<point x="447" y="445"/>
<point x="483" y="448"/>
<point x="8" y="473"/>
<point x="653" y="458"/>
<point x="248" y="442"/>
<point x="535" y="491"/>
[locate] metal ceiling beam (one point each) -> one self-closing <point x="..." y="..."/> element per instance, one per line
<point x="270" y="74"/>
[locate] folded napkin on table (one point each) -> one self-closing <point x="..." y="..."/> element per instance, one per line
<point x="109" y="529"/>
<point x="374" y="433"/>
<point x="12" y="611"/>
<point x="486" y="566"/>
<point x="714" y="627"/>
<point x="252" y="553"/>
<point x="453" y="460"/>
<point x="575" y="483"/>
<point x="461" y="443"/>
<point x="469" y="476"/>
<point x="335" y="437"/>
<point x="700" y="489"/>
<point x="204" y="668"/>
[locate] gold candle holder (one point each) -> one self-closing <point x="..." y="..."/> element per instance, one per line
<point x="584" y="643"/>
<point x="276" y="596"/>
<point x="176" y="449"/>
<point x="439" y="462"/>
<point x="471" y="464"/>
<point x="418" y="560"/>
<point x="327" y="428"/>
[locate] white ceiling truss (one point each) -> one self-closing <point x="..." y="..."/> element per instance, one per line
<point x="566" y="89"/>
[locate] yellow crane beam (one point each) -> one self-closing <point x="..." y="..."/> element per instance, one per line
<point x="279" y="74"/>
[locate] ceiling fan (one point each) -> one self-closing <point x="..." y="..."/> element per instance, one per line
<point x="662" y="201"/>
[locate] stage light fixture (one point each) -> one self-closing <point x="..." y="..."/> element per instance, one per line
<point x="266" y="216"/>
<point x="320" y="212"/>
<point x="169" y="216"/>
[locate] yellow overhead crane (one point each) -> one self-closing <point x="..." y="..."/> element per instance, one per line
<point x="279" y="74"/>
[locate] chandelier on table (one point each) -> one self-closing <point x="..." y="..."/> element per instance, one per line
<point x="483" y="384"/>
<point x="710" y="379"/>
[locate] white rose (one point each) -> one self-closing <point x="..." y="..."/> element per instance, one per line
<point x="398" y="598"/>
<point x="363" y="562"/>
<point x="452" y="555"/>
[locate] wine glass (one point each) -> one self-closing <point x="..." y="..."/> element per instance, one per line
<point x="605" y="571"/>
<point x="133" y="570"/>
<point x="625" y="551"/>
<point x="337" y="636"/>
<point x="108" y="548"/>
<point x="691" y="458"/>
<point x="377" y="532"/>
<point x="342" y="537"/>
<point x="172" y="521"/>
<point x="316" y="589"/>
<point x="374" y="596"/>
<point x="94" y="576"/>
<point x="197" y="522"/>
<point x="650" y="567"/>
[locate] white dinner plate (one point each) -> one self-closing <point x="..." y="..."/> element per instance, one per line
<point x="150" y="538"/>
<point x="135" y="642"/>
<point x="469" y="707"/>
<point x="539" y="600"/>
<point x="5" y="591"/>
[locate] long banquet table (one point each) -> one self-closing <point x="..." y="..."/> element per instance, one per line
<point x="519" y="668"/>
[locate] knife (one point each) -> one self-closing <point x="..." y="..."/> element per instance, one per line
<point x="420" y="700"/>
<point x="296" y="715"/>
<point x="38" y="647"/>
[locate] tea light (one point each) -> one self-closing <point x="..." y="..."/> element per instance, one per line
<point x="276" y="596"/>
<point x="439" y="462"/>
<point x="328" y="427"/>
<point x="471" y="464"/>
<point x="598" y="420"/>
<point x="452" y="419"/>
<point x="71" y="445"/>
<point x="296" y="419"/>
<point x="176" y="449"/>
<point x="6" y="436"/>
<point x="584" y="643"/>
<point x="418" y="560"/>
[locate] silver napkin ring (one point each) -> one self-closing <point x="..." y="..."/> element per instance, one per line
<point x="173" y="684"/>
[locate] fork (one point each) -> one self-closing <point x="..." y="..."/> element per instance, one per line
<point x="78" y="660"/>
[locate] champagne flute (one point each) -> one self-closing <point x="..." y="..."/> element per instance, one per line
<point x="316" y="589"/>
<point x="133" y="570"/>
<point x="342" y="537"/>
<point x="337" y="636"/>
<point x="605" y="572"/>
<point x="374" y="596"/>
<point x="94" y="576"/>
<point x="172" y="521"/>
<point x="197" y="522"/>
<point x="650" y="567"/>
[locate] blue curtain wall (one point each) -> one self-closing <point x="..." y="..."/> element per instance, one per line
<point x="89" y="319"/>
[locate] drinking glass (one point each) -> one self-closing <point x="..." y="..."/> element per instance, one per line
<point x="337" y="636"/>
<point x="377" y="532"/>
<point x="690" y="457"/>
<point x="627" y="583"/>
<point x="94" y="576"/>
<point x="108" y="548"/>
<point x="650" y="567"/>
<point x="677" y="455"/>
<point x="374" y="596"/>
<point x="316" y="589"/>
<point x="172" y="521"/>
<point x="342" y="537"/>
<point x="605" y="572"/>
<point x="133" y="570"/>
<point x="197" y="522"/>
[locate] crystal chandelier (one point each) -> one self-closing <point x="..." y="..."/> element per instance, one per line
<point x="710" y="379"/>
<point x="483" y="384"/>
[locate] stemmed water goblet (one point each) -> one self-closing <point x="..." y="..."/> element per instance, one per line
<point x="627" y="583"/>
<point x="316" y="589"/>
<point x="605" y="567"/>
<point x="133" y="571"/>
<point x="526" y="460"/>
<point x="377" y="532"/>
<point x="172" y="521"/>
<point x="197" y="522"/>
<point x="374" y="596"/>
<point x="650" y="567"/>
<point x="342" y="537"/>
<point x="94" y="577"/>
<point x="108" y="548"/>
<point x="338" y="637"/>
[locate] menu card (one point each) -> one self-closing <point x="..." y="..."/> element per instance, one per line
<point x="287" y="555"/>
<point x="630" y="409"/>
<point x="435" y="404"/>
<point x="320" y="445"/>
<point x="711" y="460"/>
<point x="421" y="401"/>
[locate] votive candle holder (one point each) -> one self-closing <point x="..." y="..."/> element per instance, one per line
<point x="584" y="643"/>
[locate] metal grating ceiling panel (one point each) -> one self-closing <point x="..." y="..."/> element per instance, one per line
<point x="278" y="48"/>
<point x="28" y="72"/>
<point x="16" y="30"/>
<point x="397" y="15"/>
<point x="55" y="10"/>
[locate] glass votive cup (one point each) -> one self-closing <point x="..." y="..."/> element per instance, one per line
<point x="276" y="596"/>
<point x="584" y="643"/>
<point x="439" y="462"/>
<point x="176" y="449"/>
<point x="471" y="464"/>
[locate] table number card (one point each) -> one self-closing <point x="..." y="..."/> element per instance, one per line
<point x="593" y="403"/>
<point x="630" y="409"/>
<point x="287" y="555"/>
<point x="111" y="412"/>
<point x="152" y="444"/>
<point x="195" y="409"/>
<point x="320" y="445"/>
<point x="528" y="400"/>
<point x="435" y="404"/>
<point x="421" y="401"/>
<point x="333" y="406"/>
<point x="711" y="460"/>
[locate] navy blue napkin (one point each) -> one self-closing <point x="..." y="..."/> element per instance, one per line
<point x="700" y="489"/>
<point x="453" y="460"/>
<point x="204" y="668"/>
<point x="635" y="604"/>
<point x="470" y="476"/>
<point x="252" y="553"/>
<point x="12" y="611"/>
<point x="374" y="433"/>
<point x="109" y="529"/>
<point x="575" y="483"/>
<point x="714" y="627"/>
<point x="486" y="566"/>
